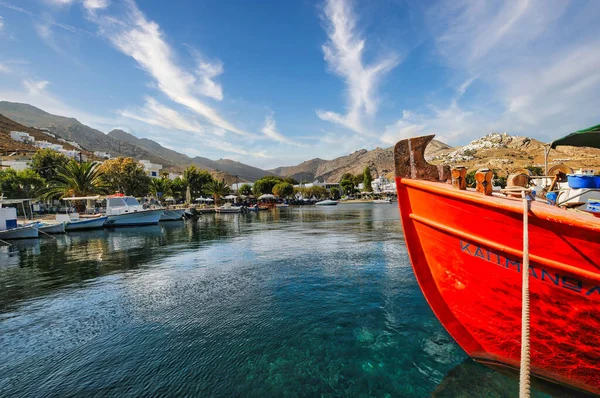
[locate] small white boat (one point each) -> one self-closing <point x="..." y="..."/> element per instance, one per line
<point x="9" y="229"/>
<point x="282" y="205"/>
<point x="74" y="223"/>
<point x="172" y="215"/>
<point x="382" y="201"/>
<point x="327" y="202"/>
<point x="50" y="227"/>
<point x="126" y="211"/>
<point x="24" y="232"/>
<point x="228" y="208"/>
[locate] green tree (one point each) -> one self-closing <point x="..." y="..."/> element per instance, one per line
<point x="46" y="163"/>
<point x="283" y="189"/>
<point x="245" y="189"/>
<point x="347" y="176"/>
<point x="218" y="189"/>
<point x="358" y="179"/>
<point x="265" y="185"/>
<point x="535" y="170"/>
<point x="470" y="178"/>
<point x="335" y="193"/>
<point x="290" y="180"/>
<point x="20" y="184"/>
<point x="197" y="180"/>
<point x="125" y="175"/>
<point x="160" y="187"/>
<point x="76" y="179"/>
<point x="178" y="187"/>
<point x="347" y="186"/>
<point x="367" y="179"/>
<point x="317" y="192"/>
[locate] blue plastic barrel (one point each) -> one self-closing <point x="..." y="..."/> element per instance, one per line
<point x="583" y="181"/>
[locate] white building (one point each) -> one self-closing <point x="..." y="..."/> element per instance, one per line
<point x="70" y="153"/>
<point x="18" y="165"/>
<point x="316" y="183"/>
<point x="151" y="169"/>
<point x="21" y="136"/>
<point x="382" y="184"/>
<point x="15" y="161"/>
<point x="102" y="155"/>
<point x="46" y="145"/>
<point x="173" y="176"/>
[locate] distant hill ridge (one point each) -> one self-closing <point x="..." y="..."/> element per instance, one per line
<point x="500" y="151"/>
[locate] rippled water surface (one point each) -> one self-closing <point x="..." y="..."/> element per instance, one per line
<point x="298" y="302"/>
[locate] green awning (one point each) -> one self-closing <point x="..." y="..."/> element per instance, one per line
<point x="588" y="137"/>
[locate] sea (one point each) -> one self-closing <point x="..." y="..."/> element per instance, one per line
<point x="297" y="302"/>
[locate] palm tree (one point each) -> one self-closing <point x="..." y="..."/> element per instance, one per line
<point x="75" y="179"/>
<point x="217" y="189"/>
<point x="160" y="187"/>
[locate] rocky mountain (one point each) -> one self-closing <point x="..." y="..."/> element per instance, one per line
<point x="504" y="153"/>
<point x="120" y="143"/>
<point x="381" y="162"/>
<point x="7" y="144"/>
<point x="71" y="129"/>
<point x="243" y="171"/>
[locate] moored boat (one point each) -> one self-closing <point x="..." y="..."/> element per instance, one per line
<point x="228" y="208"/>
<point x="381" y="201"/>
<point x="50" y="227"/>
<point x="126" y="211"/>
<point x="172" y="214"/>
<point x="327" y="202"/>
<point x="24" y="232"/>
<point x="466" y="250"/>
<point x="9" y="229"/>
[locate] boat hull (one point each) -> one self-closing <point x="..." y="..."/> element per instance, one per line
<point x="230" y="210"/>
<point x="327" y="203"/>
<point x="145" y="217"/>
<point x="58" y="228"/>
<point x="466" y="252"/>
<point x="85" y="224"/>
<point x="26" y="232"/>
<point x="172" y="215"/>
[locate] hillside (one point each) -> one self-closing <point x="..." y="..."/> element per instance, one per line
<point x="7" y="144"/>
<point x="120" y="143"/>
<point x="72" y="130"/>
<point x="381" y="161"/>
<point x="504" y="152"/>
<point x="243" y="171"/>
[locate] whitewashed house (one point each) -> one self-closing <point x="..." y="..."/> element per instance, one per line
<point x="151" y="169"/>
<point x="102" y="155"/>
<point x="70" y="153"/>
<point x="21" y="136"/>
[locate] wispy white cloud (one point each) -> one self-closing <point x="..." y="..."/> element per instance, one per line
<point x="270" y="131"/>
<point x="143" y="40"/>
<point x="95" y="4"/>
<point x="536" y="73"/>
<point x="1" y="23"/>
<point x="344" y="54"/>
<point x="159" y="115"/>
<point x="4" y="68"/>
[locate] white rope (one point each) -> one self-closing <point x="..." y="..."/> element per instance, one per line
<point x="524" y="381"/>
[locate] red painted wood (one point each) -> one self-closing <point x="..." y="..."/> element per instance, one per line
<point x="466" y="250"/>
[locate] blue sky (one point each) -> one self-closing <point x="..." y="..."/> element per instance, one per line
<point x="273" y="83"/>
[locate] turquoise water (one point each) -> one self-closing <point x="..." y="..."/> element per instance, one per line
<point x="298" y="302"/>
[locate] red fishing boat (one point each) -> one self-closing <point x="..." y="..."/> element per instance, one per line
<point x="466" y="250"/>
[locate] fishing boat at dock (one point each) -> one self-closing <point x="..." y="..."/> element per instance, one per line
<point x="172" y="214"/>
<point x="9" y="229"/>
<point x="467" y="252"/>
<point x="327" y="202"/>
<point x="126" y="211"/>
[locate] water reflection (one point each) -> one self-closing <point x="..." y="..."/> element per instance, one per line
<point x="308" y="301"/>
